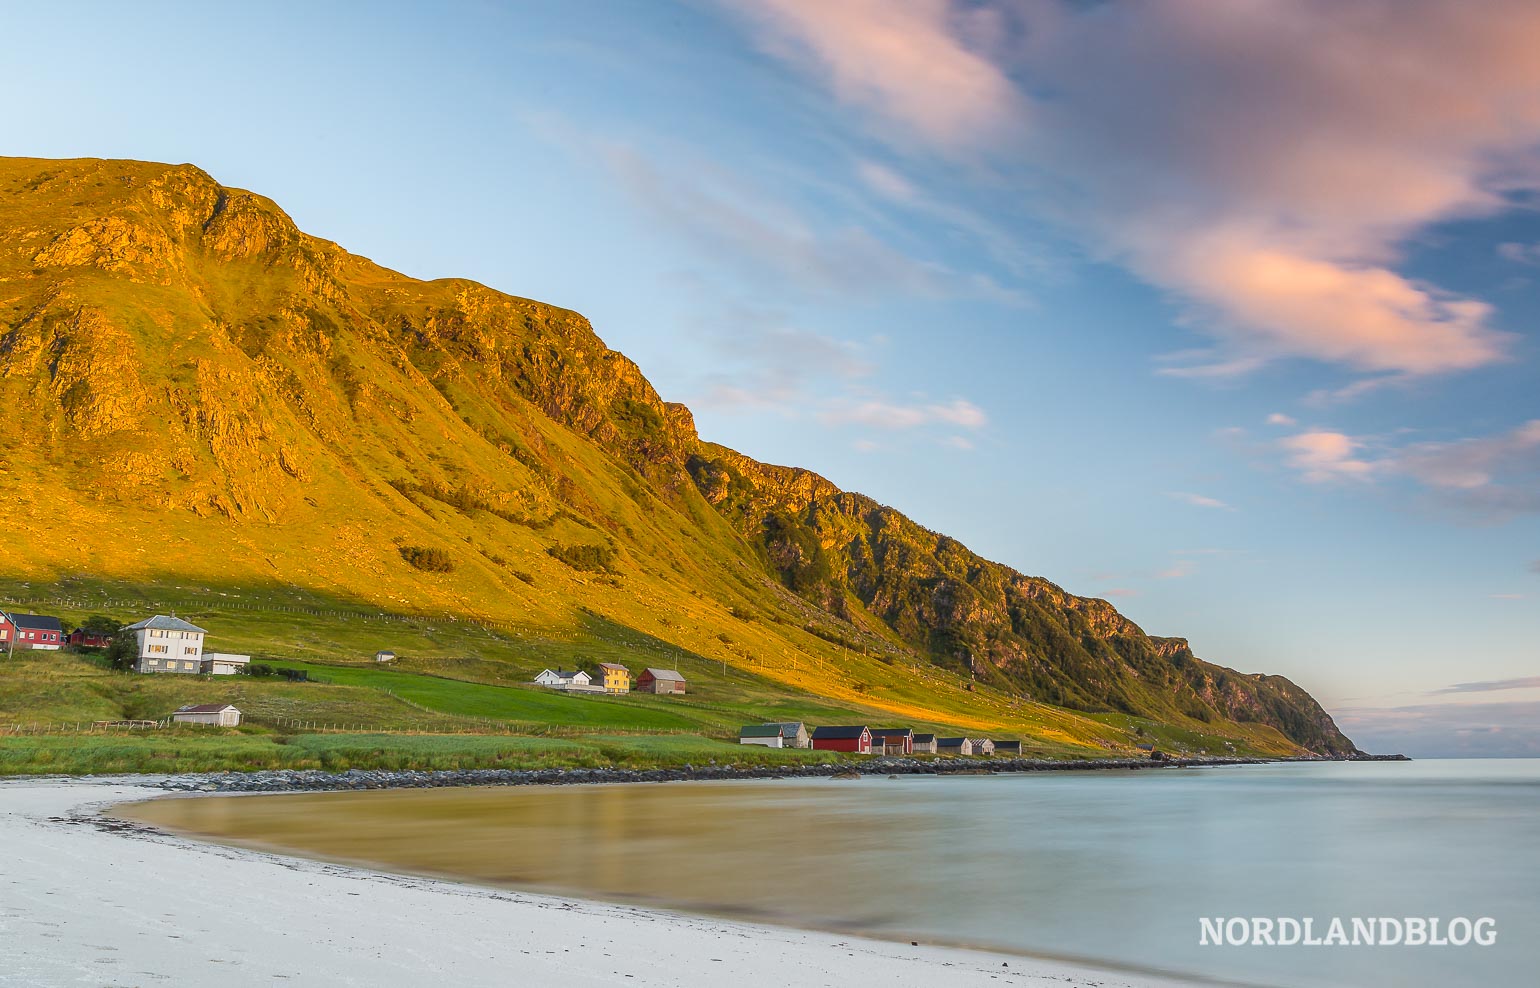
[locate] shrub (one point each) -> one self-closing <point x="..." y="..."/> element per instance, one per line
<point x="257" y="669"/>
<point x="590" y="558"/>
<point x="427" y="558"/>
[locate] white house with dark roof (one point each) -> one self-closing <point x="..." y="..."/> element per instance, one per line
<point x="168" y="644"/>
<point x="573" y="681"/>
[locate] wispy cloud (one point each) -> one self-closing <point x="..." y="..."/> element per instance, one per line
<point x="1278" y="418"/>
<point x="1520" y="253"/>
<point x="1199" y="500"/>
<point x="1492" y="476"/>
<point x="884" y="414"/>
<point x="915" y="67"/>
<point x="1321" y="455"/>
<point x="1447" y="730"/>
<point x="1178" y="569"/>
<point x="1277" y="214"/>
<point x="1493" y="685"/>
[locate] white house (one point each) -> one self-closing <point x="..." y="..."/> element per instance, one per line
<point x="212" y="714"/>
<point x="561" y="679"/>
<point x="384" y="655"/>
<point x="168" y="644"/>
<point x="223" y="663"/>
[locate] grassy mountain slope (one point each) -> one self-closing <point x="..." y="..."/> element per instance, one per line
<point x="198" y="395"/>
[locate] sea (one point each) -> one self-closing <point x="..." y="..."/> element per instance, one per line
<point x="1118" y="868"/>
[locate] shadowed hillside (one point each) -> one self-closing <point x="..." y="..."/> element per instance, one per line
<point x="197" y="392"/>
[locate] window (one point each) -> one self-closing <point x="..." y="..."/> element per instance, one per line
<point x="189" y="665"/>
<point x="190" y="650"/>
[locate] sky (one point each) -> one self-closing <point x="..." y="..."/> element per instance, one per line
<point x="1223" y="312"/>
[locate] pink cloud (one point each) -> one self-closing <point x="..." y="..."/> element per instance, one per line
<point x="910" y="64"/>
<point x="1321" y="456"/>
<point x="897" y="415"/>
<point x="1264" y="162"/>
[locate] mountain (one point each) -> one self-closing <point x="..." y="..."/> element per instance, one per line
<point x="195" y="390"/>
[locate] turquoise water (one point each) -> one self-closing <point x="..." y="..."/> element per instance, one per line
<point x="1112" y="867"/>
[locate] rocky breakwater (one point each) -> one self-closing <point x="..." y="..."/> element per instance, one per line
<point x="361" y="779"/>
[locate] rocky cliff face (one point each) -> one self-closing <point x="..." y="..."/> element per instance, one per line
<point x="202" y="354"/>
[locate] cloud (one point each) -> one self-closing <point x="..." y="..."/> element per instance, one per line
<point x="1492" y="476"/>
<point x="897" y="415"/>
<point x="886" y="182"/>
<point x="1520" y="253"/>
<point x="1446" y="730"/>
<point x="1321" y="456"/>
<point x="1265" y="163"/>
<point x="1278" y="418"/>
<point x="959" y="442"/>
<point x="1199" y="500"/>
<point x="910" y="65"/>
<point x="1493" y="685"/>
<point x="1120" y="592"/>
<point x="1178" y="569"/>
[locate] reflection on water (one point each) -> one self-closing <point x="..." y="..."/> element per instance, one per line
<point x="1109" y="866"/>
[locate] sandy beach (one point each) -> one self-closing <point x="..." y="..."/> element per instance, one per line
<point x="82" y="904"/>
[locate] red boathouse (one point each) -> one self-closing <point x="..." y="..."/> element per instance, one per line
<point x="856" y="739"/>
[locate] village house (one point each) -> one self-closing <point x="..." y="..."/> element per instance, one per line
<point x="983" y="746"/>
<point x="384" y="655"/>
<point x="7" y="632"/>
<point x="660" y="681"/>
<point x="893" y="741"/>
<point x="856" y="739"/>
<point x="793" y="734"/>
<point x="766" y="735"/>
<point x="223" y="663"/>
<point x="211" y="714"/>
<point x="37" y="631"/>
<point x="954" y="746"/>
<point x="924" y="744"/>
<point x="81" y="638"/>
<point x="561" y="679"/>
<point x="168" y="644"/>
<point x="614" y="678"/>
<point x="1012" y="748"/>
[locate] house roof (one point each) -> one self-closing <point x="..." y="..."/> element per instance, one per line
<point x="37" y="622"/>
<point x="161" y="622"/>
<point x="951" y="742"/>
<point x="613" y="665"/>
<point x="205" y="708"/>
<point x="386" y="651"/>
<point x="892" y="732"/>
<point x="663" y="674"/>
<point x="924" y="738"/>
<point x="1007" y="744"/>
<point x="789" y="729"/>
<point x="573" y="674"/>
<point x="838" y="733"/>
<point x="760" y="731"/>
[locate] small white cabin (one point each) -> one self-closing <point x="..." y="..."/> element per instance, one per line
<point x="212" y="714"/>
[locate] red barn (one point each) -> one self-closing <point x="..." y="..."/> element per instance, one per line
<point x="89" y="639"/>
<point x="856" y="739"/>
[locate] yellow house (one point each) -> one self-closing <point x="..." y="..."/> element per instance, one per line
<point x="616" y="678"/>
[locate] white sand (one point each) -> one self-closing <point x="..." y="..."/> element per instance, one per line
<point x="83" y="906"/>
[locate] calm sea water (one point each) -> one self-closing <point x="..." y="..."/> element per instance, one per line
<point x="1102" y="866"/>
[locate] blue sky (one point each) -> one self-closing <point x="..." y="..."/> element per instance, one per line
<point x="1225" y="316"/>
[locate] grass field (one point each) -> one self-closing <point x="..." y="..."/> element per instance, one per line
<point x="459" y="697"/>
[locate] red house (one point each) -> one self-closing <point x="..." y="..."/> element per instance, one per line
<point x="7" y="631"/>
<point x="89" y="639"/>
<point x="856" y="739"/>
<point x="893" y="741"/>
<point x="36" y="631"/>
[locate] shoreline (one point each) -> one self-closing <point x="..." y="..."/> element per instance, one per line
<point x="319" y="780"/>
<point x="249" y="916"/>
